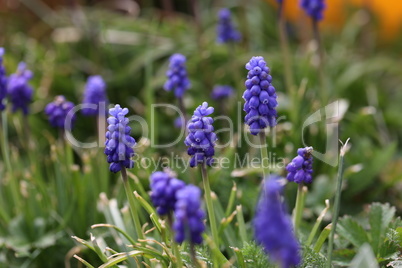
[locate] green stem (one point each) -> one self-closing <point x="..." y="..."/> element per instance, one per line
<point x="264" y="154"/>
<point x="317" y="224"/>
<point x="14" y="183"/>
<point x="133" y="204"/>
<point x="323" y="236"/>
<point x="210" y="208"/>
<point x="174" y="246"/>
<point x="232" y="198"/>
<point x="242" y="225"/>
<point x="336" y="204"/>
<point x="298" y="212"/>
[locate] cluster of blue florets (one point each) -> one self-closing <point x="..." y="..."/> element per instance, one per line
<point x="164" y="188"/>
<point x="18" y="89"/>
<point x="189" y="217"/>
<point x="57" y="112"/>
<point x="260" y="96"/>
<point x="300" y="169"/>
<point x="226" y="32"/>
<point x="314" y="8"/>
<point x="119" y="143"/>
<point x="95" y="94"/>
<point x="273" y="227"/>
<point x="177" y="75"/>
<point x="201" y="138"/>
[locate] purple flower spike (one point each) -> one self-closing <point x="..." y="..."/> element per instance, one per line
<point x="201" y="138"/>
<point x="189" y="217"/>
<point x="222" y="92"/>
<point x="95" y="93"/>
<point x="3" y="81"/>
<point x="260" y="96"/>
<point x="300" y="169"/>
<point x="164" y="188"/>
<point x="119" y="143"/>
<point x="314" y="8"/>
<point x="18" y="89"/>
<point x="272" y="226"/>
<point x="226" y="32"/>
<point x="177" y="75"/>
<point x="57" y="112"/>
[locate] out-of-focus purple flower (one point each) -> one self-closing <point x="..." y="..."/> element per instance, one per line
<point x="95" y="93"/>
<point x="260" y="96"/>
<point x="272" y="226"/>
<point x="314" y="8"/>
<point x="201" y="138"/>
<point x="222" y="92"/>
<point x="179" y="122"/>
<point x="18" y="89"/>
<point x="300" y="169"/>
<point x="164" y="188"/>
<point x="3" y="81"/>
<point x="189" y="217"/>
<point x="119" y="143"/>
<point x="177" y="75"/>
<point x="57" y="111"/>
<point x="225" y="29"/>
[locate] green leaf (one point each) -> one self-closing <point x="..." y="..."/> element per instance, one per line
<point x="364" y="258"/>
<point x="380" y="216"/>
<point x="352" y="231"/>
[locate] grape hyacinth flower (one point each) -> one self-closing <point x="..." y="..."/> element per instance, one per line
<point x="222" y="92"/>
<point x="164" y="188"/>
<point x="201" y="138"/>
<point x="314" y="8"/>
<point x="189" y="217"/>
<point x="3" y="81"/>
<point x="300" y="169"/>
<point x="119" y="143"/>
<point x="273" y="227"/>
<point x="95" y="93"/>
<point x="226" y="31"/>
<point x="179" y="122"/>
<point x="57" y="112"/>
<point x="18" y="89"/>
<point x="177" y="75"/>
<point x="260" y="96"/>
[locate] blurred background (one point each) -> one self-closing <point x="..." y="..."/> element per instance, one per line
<point x="129" y="42"/>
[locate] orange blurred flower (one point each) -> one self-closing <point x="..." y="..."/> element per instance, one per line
<point x="387" y="12"/>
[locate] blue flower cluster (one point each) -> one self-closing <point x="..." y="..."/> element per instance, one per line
<point x="3" y="81"/>
<point x="57" y="112"/>
<point x="18" y="89"/>
<point x="95" y="93"/>
<point x="189" y="217"/>
<point x="314" y="8"/>
<point x="119" y="143"/>
<point x="222" y="92"/>
<point x="300" y="169"/>
<point x="260" y="96"/>
<point x="201" y="138"/>
<point x="164" y="188"/>
<point x="272" y="226"/>
<point x="225" y="30"/>
<point x="177" y="75"/>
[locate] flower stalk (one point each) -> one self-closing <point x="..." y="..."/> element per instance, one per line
<point x="336" y="203"/>
<point x="132" y="204"/>
<point x="210" y="208"/>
